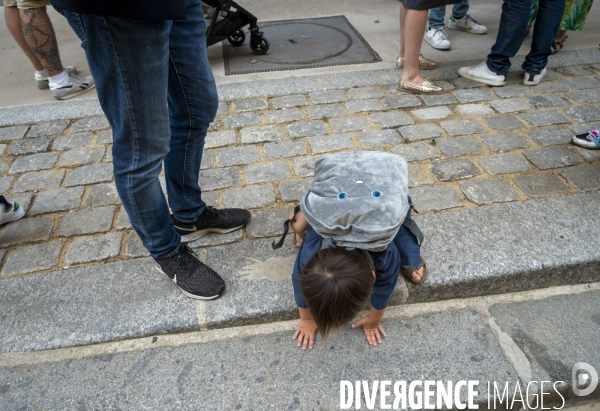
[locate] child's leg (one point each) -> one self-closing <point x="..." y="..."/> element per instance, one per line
<point x="409" y="248"/>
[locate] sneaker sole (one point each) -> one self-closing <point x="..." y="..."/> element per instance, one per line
<point x="188" y="238"/>
<point x="14" y="217"/>
<point x="482" y="80"/>
<point x="193" y="296"/>
<point x="580" y="143"/>
<point x="437" y="47"/>
<point x="466" y="30"/>
<point x="71" y="95"/>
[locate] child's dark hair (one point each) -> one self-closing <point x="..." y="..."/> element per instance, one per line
<point x="336" y="284"/>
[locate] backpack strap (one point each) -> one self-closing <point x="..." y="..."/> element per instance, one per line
<point x="286" y="228"/>
<point x="411" y="226"/>
<point x="330" y="243"/>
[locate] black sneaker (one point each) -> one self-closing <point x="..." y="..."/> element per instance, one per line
<point x="192" y="276"/>
<point x="212" y="221"/>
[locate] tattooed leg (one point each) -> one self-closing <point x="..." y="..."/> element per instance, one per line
<point x="39" y="34"/>
<point x="13" y="22"/>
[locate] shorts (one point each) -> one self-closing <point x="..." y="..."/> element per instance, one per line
<point x="426" y="4"/>
<point x="26" y="4"/>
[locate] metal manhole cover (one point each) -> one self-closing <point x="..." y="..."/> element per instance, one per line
<point x="303" y="43"/>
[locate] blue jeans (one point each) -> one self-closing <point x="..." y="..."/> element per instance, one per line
<point x="157" y="90"/>
<point x="436" y="15"/>
<point x="511" y="33"/>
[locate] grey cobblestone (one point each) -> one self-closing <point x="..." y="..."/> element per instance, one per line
<point x="551" y="135"/>
<point x="220" y="139"/>
<point x="90" y="249"/>
<point x="419" y="175"/>
<point x="435" y="198"/>
<point x="29" y="146"/>
<point x="551" y="87"/>
<point x="27" y="230"/>
<point x="510" y="91"/>
<point x="241" y="120"/>
<point x="109" y="154"/>
<point x="222" y="108"/>
<point x="267" y="172"/>
<point x="582" y="128"/>
<point x="544" y="118"/>
<point x="550" y="100"/>
<point x="323" y="144"/>
<point x="24" y="200"/>
<point x="504" y="141"/>
<point x="219" y="178"/>
<point x="135" y="247"/>
<point x="511" y="105"/>
<point x="215" y="125"/>
<point x="416" y="151"/>
<point x="39" y="180"/>
<point x="504" y="163"/>
<point x="460" y="146"/>
<point x="456" y="169"/>
<point x="285" y="115"/>
<point x="237" y="155"/>
<point x="465" y="83"/>
<point x="87" y="221"/>
<point x="207" y="160"/>
<point x="306" y="129"/>
<point x="551" y="157"/>
<point x="462" y="127"/>
<point x="5" y="183"/>
<point x="90" y="124"/>
<point x="3" y="166"/>
<point x="503" y="122"/>
<point x="332" y="96"/>
<point x="294" y="190"/>
<point x="287" y="148"/>
<point x="438" y="99"/>
<point x="59" y="199"/>
<point x="584" y="177"/>
<point x="72" y="141"/>
<point x="575" y="71"/>
<point x="584" y="114"/>
<point x="267" y="223"/>
<point x="391" y="119"/>
<point x="32" y="258"/>
<point x="81" y="156"/>
<point x="33" y="162"/>
<point x="123" y="220"/>
<point x="488" y="191"/>
<point x="249" y="105"/>
<point x="261" y="134"/>
<point x="421" y="131"/>
<point x="249" y="197"/>
<point x="362" y="93"/>
<point x="588" y="155"/>
<point x="401" y="101"/>
<point x="102" y="194"/>
<point x="361" y="106"/>
<point x="476" y="109"/>
<point x="12" y="133"/>
<point x="98" y="173"/>
<point x="541" y="185"/>
<point x="48" y="128"/>
<point x="375" y="138"/>
<point x="2" y="149"/>
<point x="432" y="113"/>
<point x="104" y="137"/>
<point x="305" y="166"/>
<point x="326" y="110"/>
<point x="345" y="124"/>
<point x="217" y="239"/>
<point x="581" y="83"/>
<point x="471" y="95"/>
<point x="289" y="101"/>
<point x="585" y="96"/>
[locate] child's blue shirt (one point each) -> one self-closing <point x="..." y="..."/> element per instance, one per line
<point x="404" y="250"/>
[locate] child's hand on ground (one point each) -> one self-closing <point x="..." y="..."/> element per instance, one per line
<point x="306" y="333"/>
<point x="372" y="328"/>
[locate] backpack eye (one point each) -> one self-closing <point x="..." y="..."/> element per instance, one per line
<point x="376" y="194"/>
<point x="342" y="196"/>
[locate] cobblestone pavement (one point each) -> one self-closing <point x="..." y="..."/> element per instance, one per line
<point x="470" y="147"/>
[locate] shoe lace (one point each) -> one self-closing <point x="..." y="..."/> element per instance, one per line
<point x="593" y="135"/>
<point x="183" y="262"/>
<point x="471" y="20"/>
<point x="210" y="213"/>
<point x="441" y="33"/>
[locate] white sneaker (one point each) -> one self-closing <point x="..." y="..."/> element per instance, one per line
<point x="437" y="38"/>
<point x="482" y="74"/>
<point x="42" y="81"/>
<point x="75" y="86"/>
<point x="468" y="24"/>
<point x="533" y="78"/>
<point x="12" y="213"/>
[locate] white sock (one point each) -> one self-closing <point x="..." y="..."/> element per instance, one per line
<point x="41" y="73"/>
<point x="60" y="79"/>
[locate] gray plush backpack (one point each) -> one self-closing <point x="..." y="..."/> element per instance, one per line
<point x="358" y="199"/>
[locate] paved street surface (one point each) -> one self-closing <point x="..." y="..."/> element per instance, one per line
<point x="506" y="202"/>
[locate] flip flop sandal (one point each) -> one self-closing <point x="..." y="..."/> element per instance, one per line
<point x="408" y="271"/>
<point x="557" y="45"/>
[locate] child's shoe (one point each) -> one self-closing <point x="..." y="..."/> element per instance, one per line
<point x="10" y="211"/>
<point x="589" y="139"/>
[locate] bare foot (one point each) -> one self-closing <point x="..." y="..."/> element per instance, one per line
<point x="417" y="275"/>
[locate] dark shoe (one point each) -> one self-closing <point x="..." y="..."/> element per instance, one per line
<point x="212" y="221"/>
<point x="192" y="276"/>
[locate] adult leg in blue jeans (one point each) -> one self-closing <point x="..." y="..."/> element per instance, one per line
<point x="156" y="89"/>
<point x="437" y="37"/>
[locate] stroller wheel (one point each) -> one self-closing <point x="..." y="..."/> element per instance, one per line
<point x="237" y="38"/>
<point x="259" y="45"/>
